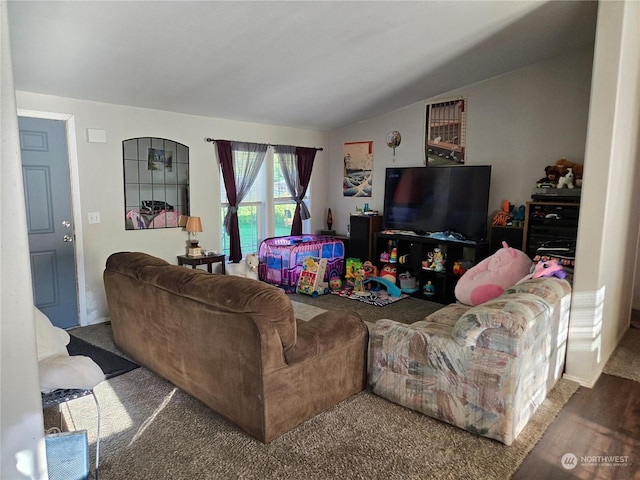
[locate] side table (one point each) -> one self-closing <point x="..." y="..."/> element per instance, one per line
<point x="207" y="260"/>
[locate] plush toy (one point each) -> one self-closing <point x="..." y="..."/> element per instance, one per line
<point x="492" y="276"/>
<point x="248" y="268"/>
<point x="548" y="268"/>
<point x="252" y="262"/>
<point x="567" y="179"/>
<point x="577" y="168"/>
<point x="552" y="174"/>
<point x="388" y="272"/>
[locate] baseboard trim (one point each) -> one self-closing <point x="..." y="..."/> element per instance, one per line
<point x="590" y="382"/>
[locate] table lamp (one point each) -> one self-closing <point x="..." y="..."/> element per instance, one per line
<point x="194" y="225"/>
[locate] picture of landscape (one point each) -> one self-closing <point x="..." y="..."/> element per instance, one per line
<point x="358" y="166"/>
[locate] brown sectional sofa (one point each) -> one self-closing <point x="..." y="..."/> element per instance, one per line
<point x="234" y="343"/>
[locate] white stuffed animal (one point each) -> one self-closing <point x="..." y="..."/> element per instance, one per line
<point x="248" y="268"/>
<point x="252" y="263"/>
<point x="567" y="179"/>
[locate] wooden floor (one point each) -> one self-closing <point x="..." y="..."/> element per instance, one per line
<point x="595" y="436"/>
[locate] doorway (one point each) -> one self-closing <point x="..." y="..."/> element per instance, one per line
<point x="50" y="219"/>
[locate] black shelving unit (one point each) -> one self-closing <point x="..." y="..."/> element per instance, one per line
<point x="549" y="221"/>
<point x="417" y="248"/>
<point x="362" y="228"/>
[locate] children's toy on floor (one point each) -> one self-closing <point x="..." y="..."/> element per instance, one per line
<point x="335" y="284"/>
<point x="351" y="266"/>
<point x="370" y="270"/>
<point x="358" y="282"/>
<point x="388" y="272"/>
<point x="311" y="280"/>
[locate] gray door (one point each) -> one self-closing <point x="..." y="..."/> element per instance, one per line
<point x="47" y="190"/>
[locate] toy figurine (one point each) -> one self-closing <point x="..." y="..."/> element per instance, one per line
<point x="370" y="270"/>
<point x="458" y="269"/>
<point x="428" y="289"/>
<point x="437" y="260"/>
<point x="358" y="284"/>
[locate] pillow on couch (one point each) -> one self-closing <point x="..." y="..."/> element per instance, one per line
<point x="492" y="276"/>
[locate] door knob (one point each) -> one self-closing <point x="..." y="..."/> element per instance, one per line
<point x="67" y="238"/>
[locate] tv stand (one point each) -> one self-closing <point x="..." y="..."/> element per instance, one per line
<point x="413" y="249"/>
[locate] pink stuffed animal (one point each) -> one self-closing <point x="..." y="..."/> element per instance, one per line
<point x="548" y="268"/>
<point x="492" y="276"/>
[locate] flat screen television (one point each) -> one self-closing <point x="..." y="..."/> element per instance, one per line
<point x="428" y="200"/>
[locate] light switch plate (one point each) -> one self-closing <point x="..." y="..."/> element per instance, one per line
<point x="94" y="217"/>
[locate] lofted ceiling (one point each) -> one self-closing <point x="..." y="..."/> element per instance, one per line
<point x="309" y="64"/>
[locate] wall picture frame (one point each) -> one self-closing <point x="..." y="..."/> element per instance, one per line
<point x="446" y="132"/>
<point x="358" y="169"/>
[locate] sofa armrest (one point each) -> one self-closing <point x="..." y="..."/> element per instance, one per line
<point x="504" y="323"/>
<point x="325" y="332"/>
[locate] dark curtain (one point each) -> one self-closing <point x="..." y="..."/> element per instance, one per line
<point x="240" y="163"/>
<point x="304" y="162"/>
<point x="225" y="156"/>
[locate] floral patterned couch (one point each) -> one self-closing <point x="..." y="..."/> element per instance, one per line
<point x="485" y="369"/>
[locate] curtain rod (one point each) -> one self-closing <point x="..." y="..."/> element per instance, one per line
<point x="213" y="140"/>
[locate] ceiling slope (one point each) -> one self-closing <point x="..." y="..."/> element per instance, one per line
<point x="309" y="64"/>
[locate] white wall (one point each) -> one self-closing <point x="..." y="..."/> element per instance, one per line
<point x="518" y="123"/>
<point x="101" y="178"/>
<point x="609" y="220"/>
<point x="21" y="421"/>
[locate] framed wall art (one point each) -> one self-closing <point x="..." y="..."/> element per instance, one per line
<point x="358" y="168"/>
<point x="446" y="132"/>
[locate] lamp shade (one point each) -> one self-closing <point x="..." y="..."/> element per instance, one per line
<point x="194" y="224"/>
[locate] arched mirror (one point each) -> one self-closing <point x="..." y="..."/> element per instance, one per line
<point x="156" y="182"/>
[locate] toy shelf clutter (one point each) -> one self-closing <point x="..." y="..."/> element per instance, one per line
<point x="444" y="261"/>
<point x="282" y="258"/>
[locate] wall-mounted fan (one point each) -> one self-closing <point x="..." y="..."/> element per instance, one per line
<point x="393" y="140"/>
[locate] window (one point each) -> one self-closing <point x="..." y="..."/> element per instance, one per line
<point x="267" y="210"/>
<point x="283" y="206"/>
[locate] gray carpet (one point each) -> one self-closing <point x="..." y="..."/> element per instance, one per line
<point x="625" y="360"/>
<point x="151" y="430"/>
